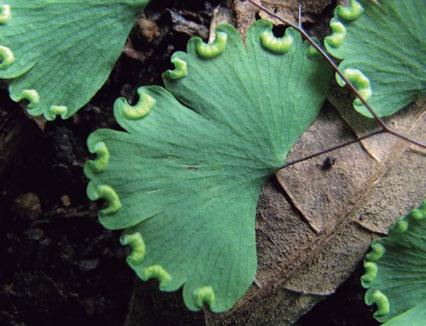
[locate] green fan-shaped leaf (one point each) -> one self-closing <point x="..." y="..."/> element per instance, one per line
<point x="185" y="176"/>
<point x="58" y="53"/>
<point x="396" y="272"/>
<point x="383" y="49"/>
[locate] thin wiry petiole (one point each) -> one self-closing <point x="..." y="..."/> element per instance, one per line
<point x="383" y="127"/>
<point x="299" y="14"/>
<point x="330" y="149"/>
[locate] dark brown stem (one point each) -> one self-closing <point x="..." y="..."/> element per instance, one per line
<point x="330" y="61"/>
<point x="328" y="150"/>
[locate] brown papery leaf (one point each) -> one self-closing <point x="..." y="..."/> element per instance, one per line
<point x="315" y="222"/>
<point x="245" y="13"/>
<point x="316" y="219"/>
<point x="315" y="225"/>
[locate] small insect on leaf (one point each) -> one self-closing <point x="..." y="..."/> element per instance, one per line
<point x="328" y="163"/>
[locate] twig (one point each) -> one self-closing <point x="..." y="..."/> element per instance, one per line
<point x="330" y="61"/>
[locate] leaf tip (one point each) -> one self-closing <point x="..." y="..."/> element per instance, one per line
<point x="403" y="224"/>
<point x="7" y="58"/>
<point x="204" y="296"/>
<point x="361" y="83"/>
<point x="5" y="14"/>
<point x="381" y="301"/>
<point x="137" y="245"/>
<point x="180" y="71"/>
<point x="277" y="45"/>
<point x="338" y="35"/>
<point x="101" y="162"/>
<point x="377" y="252"/>
<point x="419" y="214"/>
<point x="55" y="111"/>
<point x="30" y="95"/>
<point x="137" y="111"/>
<point x="400" y="226"/>
<point x="370" y="274"/>
<point x="213" y="49"/>
<point x="108" y="194"/>
<point x="351" y="12"/>
<point x="156" y="272"/>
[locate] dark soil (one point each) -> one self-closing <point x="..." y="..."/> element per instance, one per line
<point x="58" y="265"/>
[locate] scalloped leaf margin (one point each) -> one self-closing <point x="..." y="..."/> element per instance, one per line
<point x="382" y="46"/>
<point x="395" y="272"/>
<point x="183" y="180"/>
<point x="57" y="54"/>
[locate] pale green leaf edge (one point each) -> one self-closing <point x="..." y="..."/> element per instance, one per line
<point x="203" y="297"/>
<point x="344" y="15"/>
<point x="375" y="295"/>
<point x="8" y="58"/>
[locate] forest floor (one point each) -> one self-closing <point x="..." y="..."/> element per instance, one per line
<point x="58" y="265"/>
